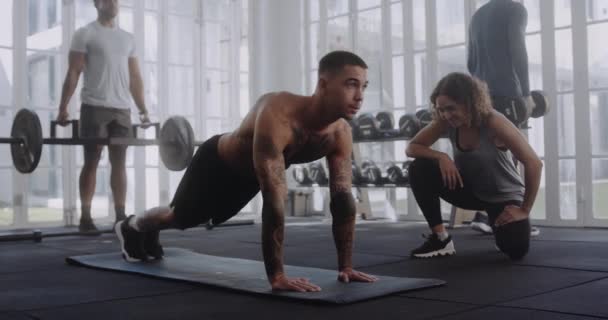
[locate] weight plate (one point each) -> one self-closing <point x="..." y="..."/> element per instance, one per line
<point x="26" y="155"/>
<point x="176" y="143"/>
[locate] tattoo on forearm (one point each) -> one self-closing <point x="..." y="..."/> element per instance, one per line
<point x="272" y="239"/>
<point x="271" y="169"/>
<point x="341" y="177"/>
<point x="271" y="176"/>
<point x="343" y="209"/>
<point x="274" y="194"/>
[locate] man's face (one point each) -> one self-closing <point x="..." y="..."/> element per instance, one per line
<point x="343" y="91"/>
<point x="107" y="8"/>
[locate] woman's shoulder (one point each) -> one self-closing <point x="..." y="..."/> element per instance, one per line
<point x="493" y="119"/>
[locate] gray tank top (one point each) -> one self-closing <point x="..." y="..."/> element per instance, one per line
<point x="488" y="170"/>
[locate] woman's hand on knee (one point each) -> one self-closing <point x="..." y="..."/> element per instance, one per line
<point x="449" y="173"/>
<point x="511" y="214"/>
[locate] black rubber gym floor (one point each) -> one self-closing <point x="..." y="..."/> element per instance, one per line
<point x="565" y="276"/>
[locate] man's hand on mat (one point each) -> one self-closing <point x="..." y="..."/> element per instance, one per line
<point x="293" y="284"/>
<point x="510" y="214"/>
<point x="348" y="275"/>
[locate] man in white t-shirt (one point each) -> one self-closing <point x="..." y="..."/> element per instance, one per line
<point x="106" y="55"/>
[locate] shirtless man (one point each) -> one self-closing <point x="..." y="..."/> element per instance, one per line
<point x="228" y="170"/>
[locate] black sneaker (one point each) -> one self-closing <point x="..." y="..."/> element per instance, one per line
<point x="87" y="227"/>
<point x="433" y="247"/>
<point x="131" y="241"/>
<point x="152" y="245"/>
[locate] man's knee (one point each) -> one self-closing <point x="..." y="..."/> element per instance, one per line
<point x="513" y="239"/>
<point x="117" y="155"/>
<point x="92" y="155"/>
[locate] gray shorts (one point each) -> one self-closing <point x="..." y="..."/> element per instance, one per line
<point x="104" y="122"/>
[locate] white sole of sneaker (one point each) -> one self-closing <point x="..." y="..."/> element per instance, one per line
<point x="534" y="232"/>
<point x="481" y="227"/>
<point x="122" y="242"/>
<point x="447" y="251"/>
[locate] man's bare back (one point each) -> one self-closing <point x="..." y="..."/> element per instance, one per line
<point x="306" y="142"/>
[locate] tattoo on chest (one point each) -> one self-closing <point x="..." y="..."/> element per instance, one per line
<point x="310" y="140"/>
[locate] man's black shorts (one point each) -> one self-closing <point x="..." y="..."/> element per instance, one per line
<point x="210" y="190"/>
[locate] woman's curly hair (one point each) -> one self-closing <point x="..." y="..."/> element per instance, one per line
<point x="466" y="90"/>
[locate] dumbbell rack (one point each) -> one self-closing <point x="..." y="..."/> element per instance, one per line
<point x="381" y="128"/>
<point x="457" y="215"/>
<point x="363" y="203"/>
<point x="364" y="209"/>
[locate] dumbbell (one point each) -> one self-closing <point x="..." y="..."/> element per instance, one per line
<point x="300" y="174"/>
<point x="370" y="172"/>
<point x="380" y="126"/>
<point x="356" y="178"/>
<point x="517" y="110"/>
<point x="541" y="105"/>
<point x="409" y="125"/>
<point x="386" y="120"/>
<point x="514" y="109"/>
<point x="398" y="175"/>
<point x="394" y="174"/>
<point x="366" y="127"/>
<point x="317" y="173"/>
<point x="353" y="126"/>
<point x="425" y="116"/>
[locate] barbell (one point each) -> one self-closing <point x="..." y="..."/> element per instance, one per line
<point x="175" y="140"/>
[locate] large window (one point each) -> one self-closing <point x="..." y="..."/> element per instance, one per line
<point x="193" y="61"/>
<point x="597" y="19"/>
<point x="244" y="104"/>
<point x="6" y="112"/>
<point x="151" y="66"/>
<point x="44" y="80"/>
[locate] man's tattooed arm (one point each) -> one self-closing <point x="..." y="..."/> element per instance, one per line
<point x="270" y="170"/>
<point x="342" y="205"/>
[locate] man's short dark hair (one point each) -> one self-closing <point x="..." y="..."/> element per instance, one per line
<point x="334" y="61"/>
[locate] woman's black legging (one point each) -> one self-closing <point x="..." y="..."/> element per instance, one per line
<point x="427" y="185"/>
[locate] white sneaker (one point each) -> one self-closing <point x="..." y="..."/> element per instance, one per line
<point x="481" y="227"/>
<point x="534" y="231"/>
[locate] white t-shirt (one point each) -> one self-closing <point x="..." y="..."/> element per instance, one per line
<point x="106" y="71"/>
